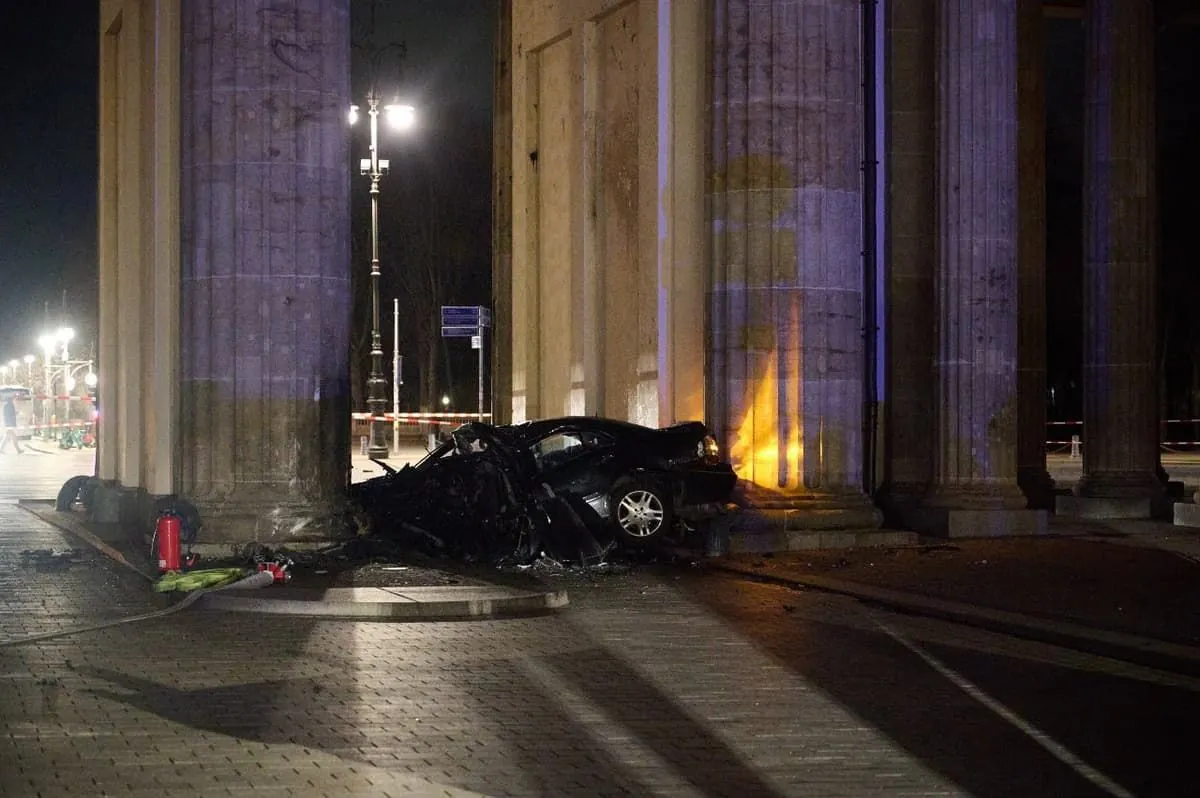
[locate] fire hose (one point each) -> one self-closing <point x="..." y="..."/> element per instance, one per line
<point x="260" y="579"/>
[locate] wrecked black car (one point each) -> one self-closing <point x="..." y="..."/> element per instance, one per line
<point x="572" y="488"/>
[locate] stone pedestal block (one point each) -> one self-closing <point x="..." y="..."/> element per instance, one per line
<point x="1187" y="514"/>
<point x="1102" y="507"/>
<point x="959" y="523"/>
<point x="771" y="540"/>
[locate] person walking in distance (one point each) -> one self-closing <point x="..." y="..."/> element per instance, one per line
<point x="8" y="415"/>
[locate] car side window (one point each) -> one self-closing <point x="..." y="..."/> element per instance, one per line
<point x="565" y="445"/>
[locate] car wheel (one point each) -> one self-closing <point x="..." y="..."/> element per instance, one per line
<point x="76" y="490"/>
<point x="641" y="511"/>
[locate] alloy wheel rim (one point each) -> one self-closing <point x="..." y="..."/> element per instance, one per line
<point x="640" y="513"/>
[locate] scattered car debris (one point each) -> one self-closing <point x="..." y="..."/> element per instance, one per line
<point x="566" y="490"/>
<point x="50" y="560"/>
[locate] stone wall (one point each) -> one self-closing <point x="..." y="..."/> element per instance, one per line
<point x="608" y="254"/>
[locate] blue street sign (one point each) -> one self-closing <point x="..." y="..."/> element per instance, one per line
<point x="466" y="316"/>
<point x="452" y="331"/>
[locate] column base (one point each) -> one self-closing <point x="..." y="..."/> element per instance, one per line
<point x="769" y="521"/>
<point x="983" y="511"/>
<point x="1122" y="485"/>
<point x="1038" y="486"/>
<point x="1102" y="507"/>
<point x="1114" y="494"/>
<point x="291" y="521"/>
<point x="1186" y="514"/>
<point x="948" y="522"/>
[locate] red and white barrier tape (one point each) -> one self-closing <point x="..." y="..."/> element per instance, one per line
<point x="433" y="419"/>
<point x="1164" y="421"/>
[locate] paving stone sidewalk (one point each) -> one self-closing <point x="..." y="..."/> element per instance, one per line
<point x="638" y="691"/>
<point x="50" y="580"/>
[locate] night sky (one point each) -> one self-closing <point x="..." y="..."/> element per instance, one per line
<point x="48" y="54"/>
<point x="48" y="66"/>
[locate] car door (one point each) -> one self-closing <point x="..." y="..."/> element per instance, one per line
<point x="575" y="461"/>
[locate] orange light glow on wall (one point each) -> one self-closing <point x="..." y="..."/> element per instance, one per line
<point x="760" y="453"/>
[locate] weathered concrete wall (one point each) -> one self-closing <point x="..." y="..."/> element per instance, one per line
<point x="139" y="243"/>
<point x="607" y="252"/>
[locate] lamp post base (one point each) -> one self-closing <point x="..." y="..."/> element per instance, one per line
<point x="377" y="445"/>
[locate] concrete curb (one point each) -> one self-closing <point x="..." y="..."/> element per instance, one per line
<point x="393" y="604"/>
<point x="66" y="523"/>
<point x="1160" y="654"/>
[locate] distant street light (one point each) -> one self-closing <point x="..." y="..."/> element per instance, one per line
<point x="50" y="343"/>
<point x="401" y="117"/>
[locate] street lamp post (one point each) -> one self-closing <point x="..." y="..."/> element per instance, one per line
<point x="401" y="116"/>
<point x="49" y="343"/>
<point x="29" y="371"/>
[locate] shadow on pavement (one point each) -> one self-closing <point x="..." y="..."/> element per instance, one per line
<point x="1126" y="729"/>
<point x="511" y="711"/>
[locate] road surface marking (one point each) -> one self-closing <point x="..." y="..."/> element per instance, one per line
<point x="1056" y="749"/>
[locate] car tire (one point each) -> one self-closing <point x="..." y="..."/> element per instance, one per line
<point x="641" y="511"/>
<point x="76" y="490"/>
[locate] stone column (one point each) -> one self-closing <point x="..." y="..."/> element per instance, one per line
<point x="1032" y="477"/>
<point x="1120" y="410"/>
<point x="266" y="280"/>
<point x="910" y="254"/>
<point x="787" y="205"/>
<point x="974" y="490"/>
<point x="502" y="215"/>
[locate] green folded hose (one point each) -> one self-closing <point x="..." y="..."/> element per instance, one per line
<point x="197" y="580"/>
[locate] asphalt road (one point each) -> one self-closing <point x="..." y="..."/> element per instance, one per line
<point x="993" y="715"/>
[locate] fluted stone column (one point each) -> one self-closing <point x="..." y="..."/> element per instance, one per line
<point x="266" y="281"/>
<point x="502" y="216"/>
<point x="1032" y="476"/>
<point x="910" y="254"/>
<point x="974" y="489"/>
<point x="1120" y="408"/>
<point x="787" y="207"/>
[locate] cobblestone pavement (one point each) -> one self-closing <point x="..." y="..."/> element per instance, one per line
<point x="665" y="683"/>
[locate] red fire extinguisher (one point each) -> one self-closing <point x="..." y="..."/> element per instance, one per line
<point x="167" y="532"/>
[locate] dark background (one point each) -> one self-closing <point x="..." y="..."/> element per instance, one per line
<point x="435" y="203"/>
